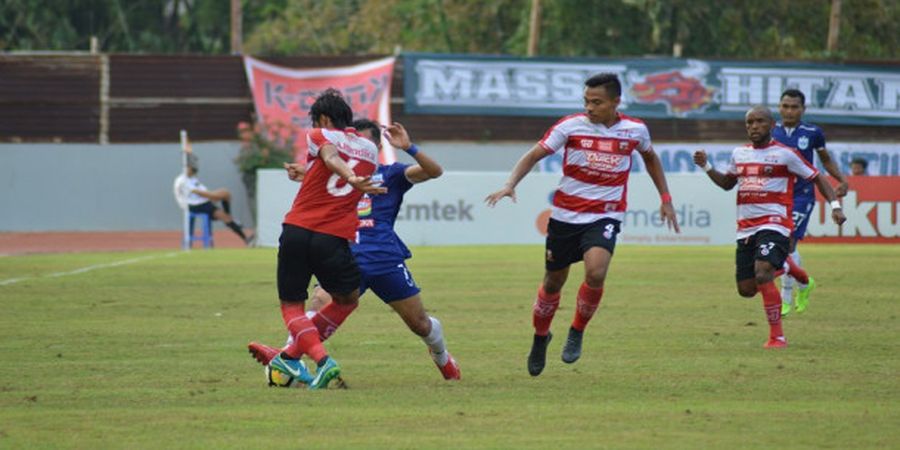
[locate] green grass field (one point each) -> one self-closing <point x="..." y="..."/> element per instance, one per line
<point x="152" y="354"/>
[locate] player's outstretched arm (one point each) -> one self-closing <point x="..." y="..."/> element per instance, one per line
<point x="837" y="213"/>
<point x="295" y="171"/>
<point x="426" y="167"/>
<point x="723" y="180"/>
<point x="832" y="169"/>
<point x="658" y="175"/>
<point x="525" y="164"/>
<point x="332" y="159"/>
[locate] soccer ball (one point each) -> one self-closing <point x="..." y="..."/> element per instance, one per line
<point x="278" y="378"/>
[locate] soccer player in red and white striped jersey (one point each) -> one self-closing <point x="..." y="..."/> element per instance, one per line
<point x="764" y="172"/>
<point x="588" y="206"/>
<point x="316" y="232"/>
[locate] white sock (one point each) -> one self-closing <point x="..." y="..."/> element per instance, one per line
<point x="435" y="341"/>
<point x="787" y="288"/>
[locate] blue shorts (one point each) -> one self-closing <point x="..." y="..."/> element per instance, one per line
<point x="802" y="209"/>
<point x="393" y="285"/>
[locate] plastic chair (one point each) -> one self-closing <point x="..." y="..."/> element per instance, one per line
<point x="205" y="236"/>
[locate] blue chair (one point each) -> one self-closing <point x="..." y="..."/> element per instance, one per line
<point x="205" y="236"/>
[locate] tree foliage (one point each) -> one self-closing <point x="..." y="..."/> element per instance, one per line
<point x="777" y="29"/>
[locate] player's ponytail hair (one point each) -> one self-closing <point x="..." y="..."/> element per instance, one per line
<point x="331" y="104"/>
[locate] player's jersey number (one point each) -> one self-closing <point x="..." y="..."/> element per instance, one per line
<point x="333" y="180"/>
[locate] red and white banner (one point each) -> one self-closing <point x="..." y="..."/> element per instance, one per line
<point x="872" y="207"/>
<point x="283" y="96"/>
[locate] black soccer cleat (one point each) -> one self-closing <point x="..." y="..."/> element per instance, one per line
<point x="538" y="356"/>
<point x="572" y="350"/>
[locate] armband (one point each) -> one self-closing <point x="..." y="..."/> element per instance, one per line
<point x="412" y="150"/>
<point x="835" y="204"/>
<point x="666" y="197"/>
<point x="707" y="167"/>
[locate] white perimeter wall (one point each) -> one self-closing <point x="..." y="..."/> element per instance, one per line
<point x="120" y="187"/>
<point x="451" y="210"/>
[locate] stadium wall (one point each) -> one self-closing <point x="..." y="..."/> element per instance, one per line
<point x="128" y="187"/>
<point x="120" y="187"/>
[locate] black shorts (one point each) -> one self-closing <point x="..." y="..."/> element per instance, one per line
<point x="204" y="208"/>
<point x="303" y="253"/>
<point x="567" y="242"/>
<point x="766" y="245"/>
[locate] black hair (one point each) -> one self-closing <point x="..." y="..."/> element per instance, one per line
<point x="795" y="93"/>
<point x="331" y="104"/>
<point x="609" y="81"/>
<point x="861" y="161"/>
<point x="366" y="124"/>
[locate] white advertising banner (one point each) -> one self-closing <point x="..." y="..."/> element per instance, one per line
<point x="451" y="210"/>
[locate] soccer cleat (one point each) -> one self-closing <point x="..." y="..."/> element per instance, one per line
<point x="779" y="342"/>
<point x="785" y="309"/>
<point x="450" y="370"/>
<point x="803" y="296"/>
<point x="538" y="356"/>
<point x="262" y="352"/>
<point x="327" y="372"/>
<point x="572" y="350"/>
<point x="292" y="367"/>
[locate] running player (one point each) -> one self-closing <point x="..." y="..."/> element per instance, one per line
<point x="316" y="231"/>
<point x="764" y="173"/>
<point x="805" y="137"/>
<point x="381" y="254"/>
<point x="588" y="206"/>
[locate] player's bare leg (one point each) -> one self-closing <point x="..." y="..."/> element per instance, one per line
<point x="596" y="265"/>
<point x="430" y="330"/>
<point x="544" y="309"/>
<point x="319" y="299"/>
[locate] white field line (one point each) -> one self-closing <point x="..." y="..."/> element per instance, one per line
<point x="89" y="268"/>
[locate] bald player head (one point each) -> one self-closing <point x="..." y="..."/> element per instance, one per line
<point x="759" y="121"/>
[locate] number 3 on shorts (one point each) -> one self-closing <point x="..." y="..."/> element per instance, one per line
<point x="333" y="181"/>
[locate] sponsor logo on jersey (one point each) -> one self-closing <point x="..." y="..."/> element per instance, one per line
<point x="603" y="161"/>
<point x="752" y="183"/>
<point x="364" y="206"/>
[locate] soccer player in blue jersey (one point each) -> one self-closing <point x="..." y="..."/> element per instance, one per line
<point x="807" y="139"/>
<point x="381" y="254"/>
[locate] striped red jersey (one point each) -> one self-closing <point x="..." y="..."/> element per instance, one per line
<point x="325" y="202"/>
<point x="596" y="164"/>
<point x="765" y="196"/>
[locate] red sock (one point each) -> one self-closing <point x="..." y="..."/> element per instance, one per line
<point x="772" y="304"/>
<point x="588" y="301"/>
<point x="306" y="338"/>
<point x="543" y="310"/>
<point x="796" y="271"/>
<point x="330" y="317"/>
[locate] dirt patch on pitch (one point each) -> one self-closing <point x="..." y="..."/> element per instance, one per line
<point x="103" y="241"/>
